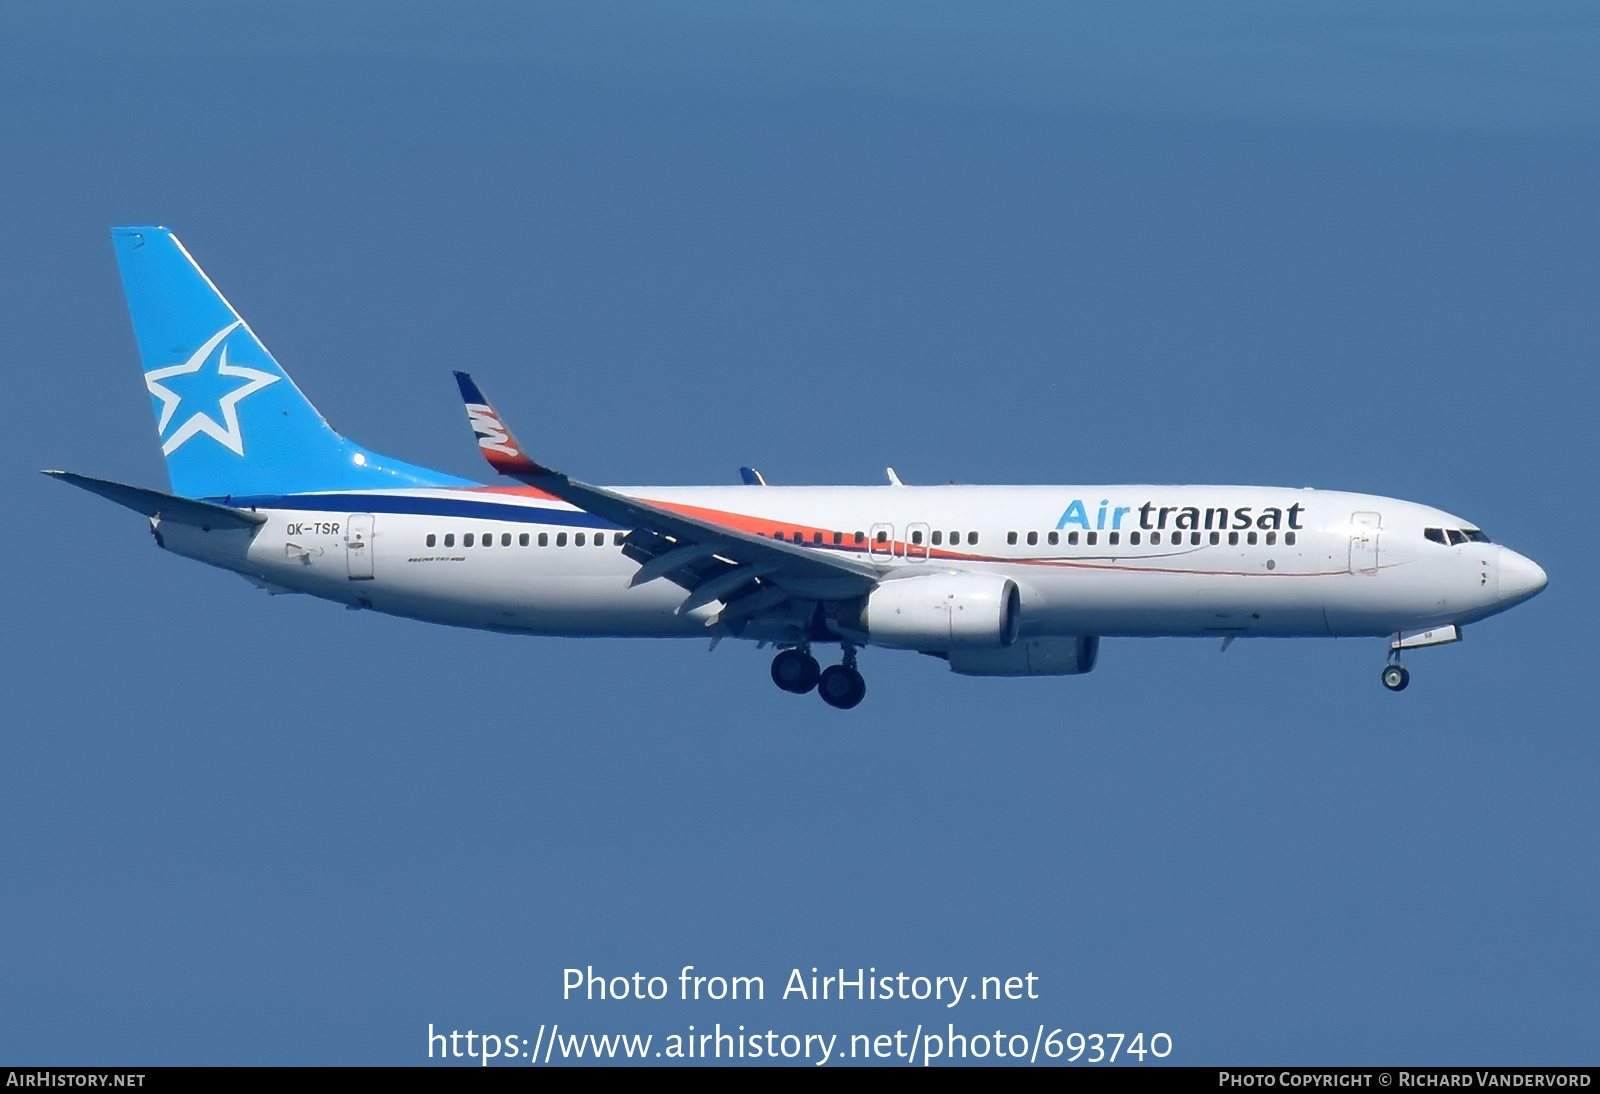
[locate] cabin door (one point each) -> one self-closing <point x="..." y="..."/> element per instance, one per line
<point x="358" y="546"/>
<point x="1364" y="543"/>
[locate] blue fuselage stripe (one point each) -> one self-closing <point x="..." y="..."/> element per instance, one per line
<point x="415" y="506"/>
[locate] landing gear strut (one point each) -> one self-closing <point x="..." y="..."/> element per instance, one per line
<point x="841" y="685"/>
<point x="795" y="670"/>
<point x="1395" y="676"/>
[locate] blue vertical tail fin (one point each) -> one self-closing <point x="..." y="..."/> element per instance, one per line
<point x="230" y="420"/>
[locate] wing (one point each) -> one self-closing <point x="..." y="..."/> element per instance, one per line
<point x="709" y="558"/>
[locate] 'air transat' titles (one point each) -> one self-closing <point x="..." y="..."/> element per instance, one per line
<point x="1187" y="517"/>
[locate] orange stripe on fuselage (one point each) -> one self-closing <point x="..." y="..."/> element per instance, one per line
<point x="764" y="527"/>
<point x="531" y="492"/>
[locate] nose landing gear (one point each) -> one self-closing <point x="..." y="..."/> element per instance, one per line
<point x="1395" y="677"/>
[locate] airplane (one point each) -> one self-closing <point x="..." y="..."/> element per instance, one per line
<point x="994" y="580"/>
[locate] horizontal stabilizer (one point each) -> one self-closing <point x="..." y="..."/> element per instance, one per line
<point x="153" y="503"/>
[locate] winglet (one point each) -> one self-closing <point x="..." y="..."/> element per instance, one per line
<point x="751" y="477"/>
<point x="500" y="448"/>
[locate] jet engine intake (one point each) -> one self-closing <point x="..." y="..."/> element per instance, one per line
<point x="944" y="611"/>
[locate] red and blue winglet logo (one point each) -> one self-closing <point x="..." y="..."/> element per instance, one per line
<point x="500" y="448"/>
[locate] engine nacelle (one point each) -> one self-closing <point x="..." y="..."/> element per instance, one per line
<point x="944" y="611"/>
<point x="1030" y="657"/>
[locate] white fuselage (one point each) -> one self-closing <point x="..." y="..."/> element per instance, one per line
<point x="1100" y="560"/>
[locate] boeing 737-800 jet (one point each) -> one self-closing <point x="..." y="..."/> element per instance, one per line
<point x="995" y="580"/>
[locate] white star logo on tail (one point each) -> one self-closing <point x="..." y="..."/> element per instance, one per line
<point x="200" y="422"/>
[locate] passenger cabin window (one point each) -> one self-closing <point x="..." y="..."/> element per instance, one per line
<point x="544" y="539"/>
<point x="1055" y="537"/>
<point x="1033" y="539"/>
<point x="916" y="535"/>
<point x="938" y="538"/>
<point x="1011" y="538"/>
<point x="838" y="538"/>
<point x="466" y="540"/>
<point x="449" y="539"/>
<point x="432" y="539"/>
<point x="1288" y="538"/>
<point x="1091" y="538"/>
<point x="1072" y="539"/>
<point x="522" y="540"/>
<point x="1133" y="538"/>
<point x="561" y="539"/>
<point x="1113" y="538"/>
<point x="972" y="539"/>
<point x="505" y="539"/>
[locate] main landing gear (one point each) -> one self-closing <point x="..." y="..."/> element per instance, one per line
<point x="840" y="686"/>
<point x="1395" y="676"/>
<point x="795" y="670"/>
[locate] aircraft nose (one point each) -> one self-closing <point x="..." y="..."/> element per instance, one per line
<point x="1520" y="578"/>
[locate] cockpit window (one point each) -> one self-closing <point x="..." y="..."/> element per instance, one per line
<point x="1450" y="536"/>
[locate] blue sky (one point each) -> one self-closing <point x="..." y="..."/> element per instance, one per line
<point x="1350" y="246"/>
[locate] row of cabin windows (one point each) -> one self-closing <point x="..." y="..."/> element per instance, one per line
<point x="1452" y="536"/>
<point x="1092" y="539"/>
<point x="579" y="539"/>
<point x="881" y="537"/>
